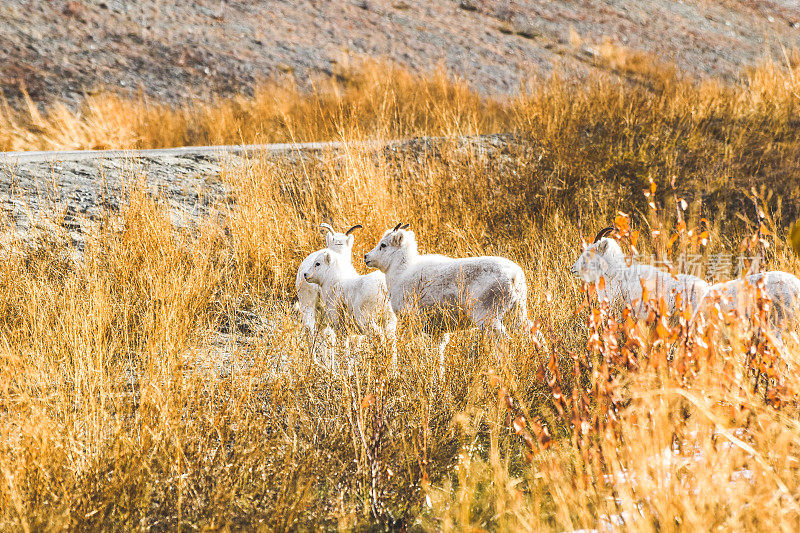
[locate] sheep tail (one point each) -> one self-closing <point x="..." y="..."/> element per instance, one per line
<point x="521" y="318"/>
<point x="521" y="290"/>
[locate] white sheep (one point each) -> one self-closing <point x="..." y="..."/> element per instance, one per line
<point x="309" y="297"/>
<point x="445" y="291"/>
<point x="623" y="282"/>
<point x="781" y="288"/>
<point x="353" y="300"/>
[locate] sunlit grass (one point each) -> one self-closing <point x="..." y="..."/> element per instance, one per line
<point x="125" y="405"/>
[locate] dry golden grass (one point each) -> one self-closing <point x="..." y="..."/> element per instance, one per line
<point x="113" y="414"/>
<point x="374" y="100"/>
<point x="603" y="135"/>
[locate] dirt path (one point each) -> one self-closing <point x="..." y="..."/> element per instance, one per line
<point x="73" y="188"/>
<point x="34" y="157"/>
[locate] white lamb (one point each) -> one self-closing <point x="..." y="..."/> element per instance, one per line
<point x="623" y="283"/>
<point x="309" y="296"/>
<point x="781" y="288"/>
<point x="445" y="290"/>
<point x="352" y="300"/>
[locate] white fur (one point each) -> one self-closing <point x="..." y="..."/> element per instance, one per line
<point x="445" y="290"/>
<point x="309" y="296"/>
<point x="352" y="299"/>
<point x="781" y="288"/>
<point x="623" y="283"/>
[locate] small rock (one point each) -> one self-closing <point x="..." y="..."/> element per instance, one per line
<point x="527" y="31"/>
<point x="73" y="9"/>
<point x="590" y="51"/>
<point x="209" y="13"/>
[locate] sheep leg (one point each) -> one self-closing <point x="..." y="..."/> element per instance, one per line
<point x="526" y="325"/>
<point x="308" y="317"/>
<point x="309" y="322"/>
<point x="486" y="318"/>
<point x="347" y="356"/>
<point x="322" y="342"/>
<point x="497" y="327"/>
<point x="326" y="345"/>
<point x="391" y="333"/>
<point x="521" y="319"/>
<point x="442" y="340"/>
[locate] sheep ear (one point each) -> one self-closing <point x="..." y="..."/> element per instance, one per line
<point x="603" y="246"/>
<point x="397" y="239"/>
<point x="350" y="239"/>
<point x="327" y="257"/>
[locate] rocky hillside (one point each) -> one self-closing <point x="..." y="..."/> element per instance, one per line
<point x="56" y="50"/>
<point x="92" y="185"/>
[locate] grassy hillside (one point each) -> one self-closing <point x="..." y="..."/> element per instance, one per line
<point x="113" y="414"/>
<point x="711" y="142"/>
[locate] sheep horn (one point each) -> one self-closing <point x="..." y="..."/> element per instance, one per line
<point x="397" y="227"/>
<point x="327" y="226"/>
<point x="404" y="226"/>
<point x="351" y="230"/>
<point x="602" y="233"/>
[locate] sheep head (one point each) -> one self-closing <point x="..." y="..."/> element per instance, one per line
<point x="341" y="243"/>
<point x="395" y="245"/>
<point x="598" y="259"/>
<point x="323" y="269"/>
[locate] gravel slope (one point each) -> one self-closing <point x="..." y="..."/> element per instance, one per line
<point x="178" y="49"/>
